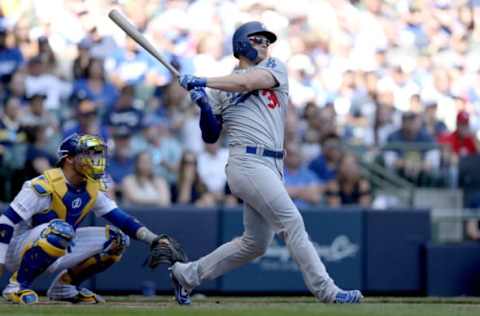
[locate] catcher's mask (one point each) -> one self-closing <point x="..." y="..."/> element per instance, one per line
<point x="89" y="153"/>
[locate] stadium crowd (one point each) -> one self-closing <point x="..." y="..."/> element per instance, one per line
<point x="398" y="80"/>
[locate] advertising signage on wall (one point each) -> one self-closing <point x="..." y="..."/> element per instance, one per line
<point x="277" y="257"/>
<point x="336" y="236"/>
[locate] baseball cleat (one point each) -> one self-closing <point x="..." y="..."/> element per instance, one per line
<point x="26" y="297"/>
<point x="348" y="297"/>
<point x="181" y="294"/>
<point x="84" y="296"/>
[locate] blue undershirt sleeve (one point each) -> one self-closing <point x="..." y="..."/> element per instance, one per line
<point x="210" y="124"/>
<point x="126" y="222"/>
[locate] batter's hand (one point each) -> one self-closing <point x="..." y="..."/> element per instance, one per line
<point x="190" y="82"/>
<point x="199" y="96"/>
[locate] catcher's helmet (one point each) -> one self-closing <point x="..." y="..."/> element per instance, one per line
<point x="89" y="152"/>
<point x="241" y="43"/>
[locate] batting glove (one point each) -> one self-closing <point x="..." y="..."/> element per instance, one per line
<point x="189" y="82"/>
<point x="199" y="96"/>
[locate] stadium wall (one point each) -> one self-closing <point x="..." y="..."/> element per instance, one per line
<point x="380" y="252"/>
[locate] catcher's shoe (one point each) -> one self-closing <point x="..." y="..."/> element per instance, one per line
<point x="182" y="296"/>
<point x="62" y="290"/>
<point x="348" y="297"/>
<point x="84" y="296"/>
<point x="25" y="296"/>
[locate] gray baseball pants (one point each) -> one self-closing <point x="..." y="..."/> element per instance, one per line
<point x="268" y="209"/>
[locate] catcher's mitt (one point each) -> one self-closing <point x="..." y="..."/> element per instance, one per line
<point x="165" y="250"/>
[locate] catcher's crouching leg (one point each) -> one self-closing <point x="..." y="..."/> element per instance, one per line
<point x="50" y="245"/>
<point x="66" y="286"/>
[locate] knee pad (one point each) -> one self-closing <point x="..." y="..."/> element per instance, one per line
<point x="53" y="242"/>
<point x="117" y="241"/>
<point x="56" y="238"/>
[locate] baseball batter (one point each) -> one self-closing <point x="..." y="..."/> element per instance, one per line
<point x="250" y="104"/>
<point x="38" y="231"/>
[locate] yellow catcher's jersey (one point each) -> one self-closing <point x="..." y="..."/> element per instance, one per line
<point x="67" y="203"/>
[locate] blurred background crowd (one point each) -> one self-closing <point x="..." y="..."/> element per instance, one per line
<point x="389" y="85"/>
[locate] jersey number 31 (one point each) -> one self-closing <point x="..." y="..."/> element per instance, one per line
<point x="272" y="98"/>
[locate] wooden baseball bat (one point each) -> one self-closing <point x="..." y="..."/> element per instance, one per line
<point x="138" y="37"/>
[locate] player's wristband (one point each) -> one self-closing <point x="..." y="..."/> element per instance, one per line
<point x="145" y="234"/>
<point x="201" y="82"/>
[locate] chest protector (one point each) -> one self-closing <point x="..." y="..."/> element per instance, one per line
<point x="68" y="203"/>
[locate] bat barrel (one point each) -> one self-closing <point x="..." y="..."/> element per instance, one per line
<point x="122" y="22"/>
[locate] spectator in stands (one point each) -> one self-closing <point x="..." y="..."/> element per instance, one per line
<point x="36" y="114"/>
<point x="16" y="88"/>
<point x="96" y="87"/>
<point x="301" y="183"/>
<point x="383" y="126"/>
<point x="190" y="189"/>
<point x="12" y="144"/>
<point x="82" y="61"/>
<point x="326" y="122"/>
<point x="165" y="149"/>
<point x="47" y="55"/>
<point x="143" y="188"/>
<point x="122" y="162"/>
<point x="432" y="124"/>
<point x="40" y="81"/>
<point x="455" y="145"/>
<point x="211" y="170"/>
<point x="102" y="45"/>
<point x="413" y="153"/>
<point x="462" y="142"/>
<point x="132" y="65"/>
<point x="87" y="121"/>
<point x="349" y="187"/>
<point x="325" y="164"/>
<point x="21" y="37"/>
<point x="304" y="128"/>
<point x="124" y="113"/>
<point x="11" y="131"/>
<point x="37" y="158"/>
<point x="11" y="58"/>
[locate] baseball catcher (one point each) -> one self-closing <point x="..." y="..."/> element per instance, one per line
<point x="39" y="230"/>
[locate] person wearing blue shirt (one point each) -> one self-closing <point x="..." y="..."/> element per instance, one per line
<point x="96" y="87"/>
<point x="88" y="121"/>
<point x="124" y="114"/>
<point x="302" y="184"/>
<point x="325" y="164"/>
<point x="122" y="162"/>
<point x="11" y="58"/>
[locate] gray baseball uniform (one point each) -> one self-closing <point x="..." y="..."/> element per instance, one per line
<point x="254" y="124"/>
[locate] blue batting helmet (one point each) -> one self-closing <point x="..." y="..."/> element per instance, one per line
<point x="241" y="43"/>
<point x="89" y="152"/>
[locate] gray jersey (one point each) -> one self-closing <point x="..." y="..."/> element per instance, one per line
<point x="255" y="117"/>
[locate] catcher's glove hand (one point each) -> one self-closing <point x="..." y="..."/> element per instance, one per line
<point x="165" y="250"/>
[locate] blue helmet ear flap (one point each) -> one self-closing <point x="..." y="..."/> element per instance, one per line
<point x="245" y="49"/>
<point x="68" y="147"/>
<point x="241" y="43"/>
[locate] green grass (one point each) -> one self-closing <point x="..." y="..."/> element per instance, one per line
<point x="257" y="306"/>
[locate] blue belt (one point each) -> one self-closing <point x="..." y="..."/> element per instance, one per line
<point x="265" y="153"/>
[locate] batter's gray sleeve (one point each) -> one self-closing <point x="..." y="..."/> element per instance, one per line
<point x="277" y="69"/>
